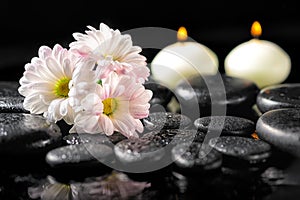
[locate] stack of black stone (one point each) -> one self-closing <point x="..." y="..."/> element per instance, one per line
<point x="225" y="139"/>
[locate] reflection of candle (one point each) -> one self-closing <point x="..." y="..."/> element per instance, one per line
<point x="261" y="61"/>
<point x="181" y="60"/>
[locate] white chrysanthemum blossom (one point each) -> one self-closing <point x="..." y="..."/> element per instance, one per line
<point x="112" y="52"/>
<point x="117" y="104"/>
<point x="46" y="83"/>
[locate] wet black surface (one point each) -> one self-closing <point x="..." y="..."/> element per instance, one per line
<point x="281" y="128"/>
<point x="10" y="99"/>
<point x="279" y="96"/>
<point x="226" y="125"/>
<point x="236" y="168"/>
<point x="232" y="179"/>
<point x="216" y="91"/>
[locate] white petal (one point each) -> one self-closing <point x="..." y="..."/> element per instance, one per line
<point x="57" y="49"/>
<point x="54" y="110"/>
<point x="34" y="104"/>
<point x="67" y="68"/>
<point x="139" y="126"/>
<point x="87" y="123"/>
<point x="44" y="52"/>
<point x="54" y="68"/>
<point x="69" y="118"/>
<point x="92" y="102"/>
<point x="63" y="109"/>
<point x="106" y="125"/>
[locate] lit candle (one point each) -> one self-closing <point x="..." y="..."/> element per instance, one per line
<point x="182" y="60"/>
<point x="261" y="61"/>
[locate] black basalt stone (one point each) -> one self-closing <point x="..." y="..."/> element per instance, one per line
<point x="279" y="96"/>
<point x="82" y="138"/>
<point x="174" y="136"/>
<point x="162" y="95"/>
<point x="248" y="149"/>
<point x="166" y="120"/>
<point x="10" y="99"/>
<point x="195" y="158"/>
<point x="80" y="155"/>
<point x="99" y="138"/>
<point x="140" y="152"/>
<point x="281" y="128"/>
<point x="235" y="94"/>
<point x="226" y="125"/>
<point x="22" y="133"/>
<point x="153" y="148"/>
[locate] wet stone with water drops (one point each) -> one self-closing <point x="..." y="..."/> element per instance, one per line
<point x="245" y="149"/>
<point x="166" y="120"/>
<point x="226" y="125"/>
<point x="80" y="155"/>
<point x="154" y="147"/>
<point x="98" y="138"/>
<point x="82" y="138"/>
<point x="235" y="94"/>
<point x="139" y="151"/>
<point x="162" y="95"/>
<point x="279" y="96"/>
<point x="22" y="133"/>
<point x="195" y="158"/>
<point x="10" y="99"/>
<point x="281" y="128"/>
<point x="175" y="136"/>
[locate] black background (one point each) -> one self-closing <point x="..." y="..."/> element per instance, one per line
<point x="220" y="25"/>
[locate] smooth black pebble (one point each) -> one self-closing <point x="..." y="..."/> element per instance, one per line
<point x="22" y="133"/>
<point x="82" y="138"/>
<point x="174" y="136"/>
<point x="279" y="96"/>
<point x="281" y="128"/>
<point x="140" y="150"/>
<point x="99" y="138"/>
<point x="226" y="125"/>
<point x="80" y="155"/>
<point x="166" y="120"/>
<point x="10" y="99"/>
<point x="195" y="157"/>
<point x="235" y="94"/>
<point x="248" y="149"/>
<point x="153" y="148"/>
<point x="162" y="95"/>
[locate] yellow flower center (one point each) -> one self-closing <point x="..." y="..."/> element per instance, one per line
<point x="110" y="105"/>
<point x="61" y="88"/>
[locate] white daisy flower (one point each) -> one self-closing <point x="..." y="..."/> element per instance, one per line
<point x="117" y="104"/>
<point x="46" y="83"/>
<point x="112" y="52"/>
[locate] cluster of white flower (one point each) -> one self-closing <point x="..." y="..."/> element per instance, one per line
<point x="96" y="85"/>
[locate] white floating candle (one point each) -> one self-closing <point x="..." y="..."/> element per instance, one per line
<point x="182" y="60"/>
<point x="261" y="61"/>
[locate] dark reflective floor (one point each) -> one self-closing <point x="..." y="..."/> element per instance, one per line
<point x="28" y="178"/>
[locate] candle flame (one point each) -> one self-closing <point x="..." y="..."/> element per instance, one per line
<point x="182" y="34"/>
<point x="256" y="29"/>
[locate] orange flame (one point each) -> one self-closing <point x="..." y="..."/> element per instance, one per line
<point x="255" y="136"/>
<point x="256" y="29"/>
<point x="182" y="34"/>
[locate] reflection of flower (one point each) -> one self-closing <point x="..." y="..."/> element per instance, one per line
<point x="45" y="83"/>
<point x="111" y="51"/>
<point x="116" y="185"/>
<point x="117" y="104"/>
